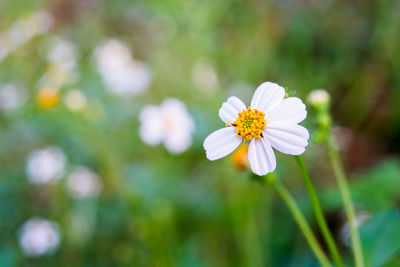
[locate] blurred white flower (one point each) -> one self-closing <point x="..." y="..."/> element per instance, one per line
<point x="112" y="54"/>
<point x="318" y="97"/>
<point x="11" y="97"/>
<point x="23" y="30"/>
<point x="205" y="78"/>
<point x="75" y="100"/>
<point x="121" y="74"/>
<point x="45" y="165"/>
<point x="83" y="183"/>
<point x="169" y="123"/>
<point x="62" y="58"/>
<point x="63" y="52"/>
<point x="54" y="78"/>
<point x="38" y="237"/>
<point x="19" y="33"/>
<point x="40" y="22"/>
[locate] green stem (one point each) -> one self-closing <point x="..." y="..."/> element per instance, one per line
<point x="347" y="203"/>
<point x="302" y="223"/>
<point x="319" y="215"/>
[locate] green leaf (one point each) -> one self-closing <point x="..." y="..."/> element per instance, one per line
<point x="380" y="238"/>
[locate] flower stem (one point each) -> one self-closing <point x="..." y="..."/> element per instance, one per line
<point x="347" y="203"/>
<point x="302" y="223"/>
<point x="319" y="215"/>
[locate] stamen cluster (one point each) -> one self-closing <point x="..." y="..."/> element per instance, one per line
<point x="249" y="124"/>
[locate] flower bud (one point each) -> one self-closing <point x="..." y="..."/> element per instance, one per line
<point x="240" y="158"/>
<point x="319" y="97"/>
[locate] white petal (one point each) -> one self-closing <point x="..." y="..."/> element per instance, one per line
<point x="149" y="112"/>
<point x="230" y="109"/>
<point x="287" y="138"/>
<point x="261" y="157"/>
<point x="152" y="127"/>
<point x="178" y="142"/>
<point x="267" y="97"/>
<point x="291" y="110"/>
<point x="221" y="143"/>
<point x="176" y="117"/>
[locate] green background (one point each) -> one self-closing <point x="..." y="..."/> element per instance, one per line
<point x="158" y="209"/>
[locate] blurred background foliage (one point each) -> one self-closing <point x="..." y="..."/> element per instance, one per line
<point x="160" y="209"/>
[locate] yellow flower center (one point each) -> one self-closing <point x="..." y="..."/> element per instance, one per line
<point x="249" y="124"/>
<point x="47" y="98"/>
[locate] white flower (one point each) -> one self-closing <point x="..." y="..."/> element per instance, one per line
<point x="269" y="121"/>
<point x="121" y="74"/>
<point x="45" y="165"/>
<point x="75" y="100"/>
<point x="318" y="97"/>
<point x="40" y="22"/>
<point x="11" y="97"/>
<point x="38" y="237"/>
<point x="24" y="30"/>
<point x="112" y="54"/>
<point x="83" y="183"/>
<point x="64" y="53"/>
<point x="62" y="57"/>
<point x="169" y="123"/>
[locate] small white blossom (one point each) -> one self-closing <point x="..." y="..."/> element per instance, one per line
<point x="63" y="52"/>
<point x="38" y="237"/>
<point x="271" y="121"/>
<point x="169" y="123"/>
<point x="62" y="57"/>
<point x="121" y="74"/>
<point x="318" y="97"/>
<point x="24" y="30"/>
<point x="45" y="165"/>
<point x="83" y="183"/>
<point x="40" y="22"/>
<point x="11" y="97"/>
<point x="75" y="100"/>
